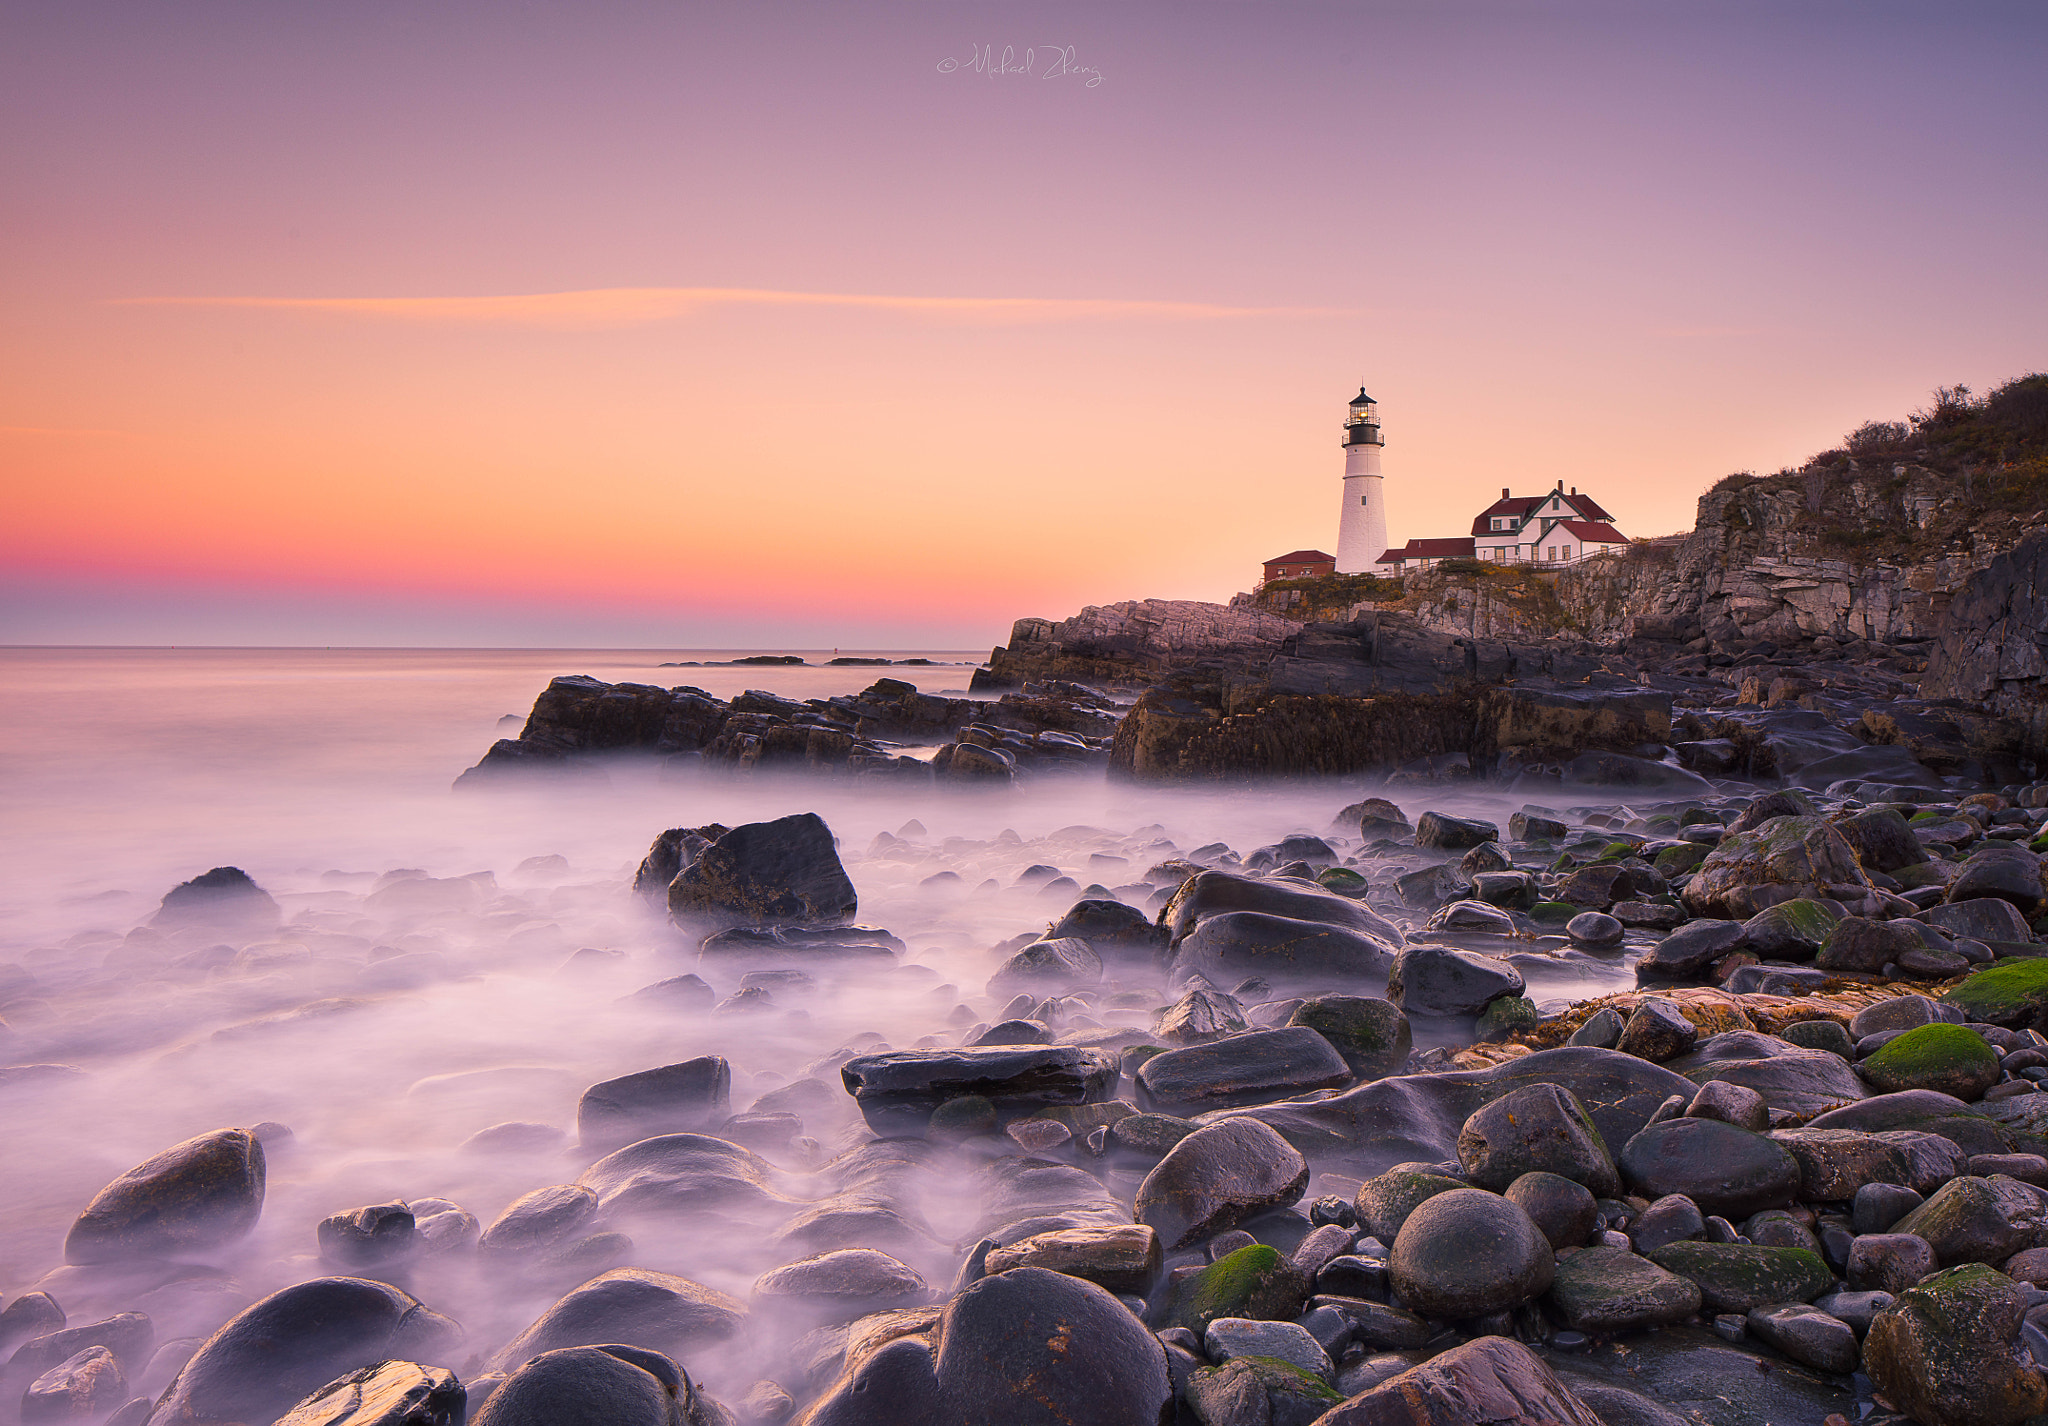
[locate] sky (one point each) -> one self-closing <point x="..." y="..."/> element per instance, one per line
<point x="720" y="326"/>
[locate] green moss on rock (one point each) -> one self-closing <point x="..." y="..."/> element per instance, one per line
<point x="1255" y="1282"/>
<point x="1553" y="912"/>
<point x="1734" y="1277"/>
<point x="2012" y="994"/>
<point x="1943" y="1057"/>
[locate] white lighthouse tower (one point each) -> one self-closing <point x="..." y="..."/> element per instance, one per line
<point x="1362" y="529"/>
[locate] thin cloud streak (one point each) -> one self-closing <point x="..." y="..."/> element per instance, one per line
<point x="631" y="306"/>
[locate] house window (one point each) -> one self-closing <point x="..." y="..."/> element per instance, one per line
<point x="1553" y="554"/>
<point x="1364" y="499"/>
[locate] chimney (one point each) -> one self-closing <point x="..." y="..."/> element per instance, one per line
<point x="1575" y="490"/>
<point x="1503" y="492"/>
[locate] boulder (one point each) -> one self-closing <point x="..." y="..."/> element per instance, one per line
<point x="1253" y="1281"/>
<point x="1606" y="1290"/>
<point x="1834" y="1164"/>
<point x="1888" y="1262"/>
<point x="2005" y="871"/>
<point x="1486" y="1380"/>
<point x="128" y="1335"/>
<point x="1565" y="1212"/>
<point x="1657" y="1031"/>
<point x="1881" y="839"/>
<point x="1724" y="1169"/>
<point x="2013" y="995"/>
<point x="1228" y="1338"/>
<point x="1452" y="834"/>
<point x="1979" y="1220"/>
<point x="297" y="1340"/>
<point x="201" y="1194"/>
<point x="1807" y="1335"/>
<point x="1288" y="953"/>
<point x="1254" y="1068"/>
<point x="1594" y="928"/>
<point x="1686" y="953"/>
<point x="1048" y="967"/>
<point x="1782" y="859"/>
<point x="366" y="1237"/>
<point x="1946" y="1351"/>
<point x="681" y="1098"/>
<point x="1538" y="1128"/>
<point x="897" y="1092"/>
<point x="1260" y="1390"/>
<point x="386" y="1394"/>
<point x="1112" y="928"/>
<point x="616" y="1384"/>
<point x="1442" y="981"/>
<point x="1468" y="1253"/>
<point x="1370" y="1033"/>
<point x="1792" y="930"/>
<point x="679" y="1171"/>
<point x="1981" y="918"/>
<point x="1125" y="1258"/>
<point x="1796" y="1080"/>
<point x="1734" y="1277"/>
<point x="224" y="899"/>
<point x="633" y="1306"/>
<point x="1385" y="1200"/>
<point x="1948" y="1059"/>
<point x="1215" y="1178"/>
<point x="1214" y="893"/>
<point x="1857" y="944"/>
<point x="851" y="1280"/>
<point x="766" y="873"/>
<point x="538" y="1221"/>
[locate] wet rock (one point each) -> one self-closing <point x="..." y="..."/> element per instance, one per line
<point x="1540" y="1127"/>
<point x="297" y="1340"/>
<point x="1441" y="981"/>
<point x="897" y="1092"/>
<point x="1200" y="1015"/>
<point x="1217" y="1177"/>
<point x="1123" y="1259"/>
<point x="85" y="1385"/>
<point x="1437" y="829"/>
<point x="680" y="1098"/>
<point x="1982" y="918"/>
<point x="194" y="1196"/>
<point x="1686" y="953"/>
<point x="1602" y="1029"/>
<point x="1857" y="944"/>
<point x="1731" y="1104"/>
<point x="1948" y="1059"/>
<point x="1888" y="1262"/>
<point x="1792" y="930"/>
<point x="1608" y="1290"/>
<point x="1565" y="1212"/>
<point x="854" y="1280"/>
<point x="387" y="1394"/>
<point x="1876" y="1206"/>
<point x="1834" y="1164"/>
<point x="2007" y="872"/>
<point x="1257" y="1390"/>
<point x="1979" y="1220"/>
<point x="766" y="873"/>
<point x="1882" y="840"/>
<point x="1674" y="1218"/>
<point x="1900" y="1012"/>
<point x="633" y="1306"/>
<point x="1048" y="967"/>
<point x="1253" y="1281"/>
<point x="1384" y="1202"/>
<point x="678" y="1171"/>
<point x="1489" y="1379"/>
<point x="1827" y="1035"/>
<point x="33" y="1314"/>
<point x="1467" y="1253"/>
<point x="1808" y="1335"/>
<point x="1722" y="1168"/>
<point x="1734" y="1277"/>
<point x="1254" y="1068"/>
<point x="1657" y="1032"/>
<point x="1370" y="1033"/>
<point x="537" y="1221"/>
<point x="1023" y="1348"/>
<point x="365" y="1237"/>
<point x="1800" y="1081"/>
<point x="1472" y="917"/>
<point x="1112" y="928"/>
<point x="2013" y="995"/>
<point x="1228" y="1338"/>
<point x="1526" y="826"/>
<point x="1215" y="893"/>
<point x="617" y="1384"/>
<point x="1779" y="860"/>
<point x="1945" y="1351"/>
<point x="1288" y="953"/>
<point x="224" y="899"/>
<point x="128" y="1335"/>
<point x="1594" y="928"/>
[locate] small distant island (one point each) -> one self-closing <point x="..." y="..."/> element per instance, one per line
<point x="792" y="660"/>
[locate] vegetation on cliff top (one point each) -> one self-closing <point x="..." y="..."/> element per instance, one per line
<point x="1325" y="596"/>
<point x="1978" y="456"/>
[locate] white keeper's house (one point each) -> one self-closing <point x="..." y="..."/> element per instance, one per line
<point x="1556" y="527"/>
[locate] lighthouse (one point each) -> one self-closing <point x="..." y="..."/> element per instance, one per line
<point x="1362" y="528"/>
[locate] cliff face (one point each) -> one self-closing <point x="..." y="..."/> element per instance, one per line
<point x="1992" y="646"/>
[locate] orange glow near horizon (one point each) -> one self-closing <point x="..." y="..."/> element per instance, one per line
<point x="564" y="322"/>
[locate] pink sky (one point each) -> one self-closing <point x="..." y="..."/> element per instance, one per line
<point x="719" y="326"/>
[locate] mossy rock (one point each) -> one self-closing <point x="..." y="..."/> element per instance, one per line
<point x="1795" y="928"/>
<point x="1553" y="913"/>
<point x="1677" y="861"/>
<point x="1343" y="880"/>
<point x="1255" y="1282"/>
<point x="1384" y="1203"/>
<point x="1606" y="1290"/>
<point x="1370" y="1033"/>
<point x="1506" y="1017"/>
<point x="1291" y="1394"/>
<point x="1829" y="1035"/>
<point x="2012" y="993"/>
<point x="1943" y="1057"/>
<point x="1911" y="878"/>
<point x="1943" y="1353"/>
<point x="1615" y="851"/>
<point x="1734" y="1277"/>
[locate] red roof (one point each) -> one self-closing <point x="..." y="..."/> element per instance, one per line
<point x="1303" y="557"/>
<point x="1520" y="505"/>
<point x="1596" y="532"/>
<point x="1428" y="550"/>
